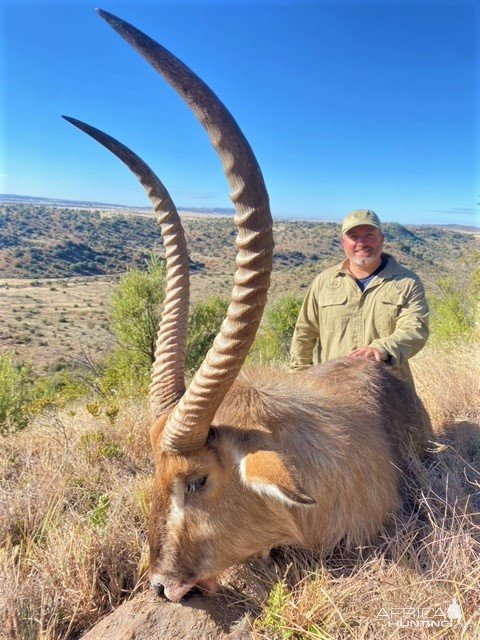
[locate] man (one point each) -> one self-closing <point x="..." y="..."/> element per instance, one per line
<point x="369" y="306"/>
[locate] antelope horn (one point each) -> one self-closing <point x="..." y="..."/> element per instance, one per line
<point x="187" y="427"/>
<point x="168" y="382"/>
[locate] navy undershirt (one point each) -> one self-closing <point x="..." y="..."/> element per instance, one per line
<point x="363" y="282"/>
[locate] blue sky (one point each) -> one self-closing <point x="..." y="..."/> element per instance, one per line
<point x="345" y="104"/>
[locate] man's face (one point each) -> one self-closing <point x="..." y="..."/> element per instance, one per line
<point x="363" y="245"/>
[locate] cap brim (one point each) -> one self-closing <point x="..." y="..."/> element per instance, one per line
<point x="360" y="223"/>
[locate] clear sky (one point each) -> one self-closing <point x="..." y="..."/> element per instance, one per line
<point x="346" y="104"/>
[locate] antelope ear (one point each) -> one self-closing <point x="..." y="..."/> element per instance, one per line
<point x="266" y="473"/>
<point x="157" y="430"/>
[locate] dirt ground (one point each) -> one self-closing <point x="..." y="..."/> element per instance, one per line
<point x="43" y="322"/>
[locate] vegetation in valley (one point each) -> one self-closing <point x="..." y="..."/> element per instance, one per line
<point x="51" y="242"/>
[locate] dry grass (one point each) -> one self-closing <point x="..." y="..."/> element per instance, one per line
<point x="73" y="513"/>
<point x="73" y="504"/>
<point x="448" y="381"/>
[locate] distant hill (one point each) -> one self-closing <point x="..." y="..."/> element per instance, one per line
<point x="460" y="227"/>
<point x="45" y="241"/>
<point x="9" y="198"/>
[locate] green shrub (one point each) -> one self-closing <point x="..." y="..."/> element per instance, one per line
<point x="15" y="394"/>
<point x="135" y="317"/>
<point x="272" y="344"/>
<point x="125" y="374"/>
<point x="135" y="313"/>
<point x="273" y="618"/>
<point x="135" y="310"/>
<point x="96" y="446"/>
<point x="58" y="388"/>
<point x="455" y="309"/>
<point x="22" y="394"/>
<point x="98" y="517"/>
<point x="203" y="325"/>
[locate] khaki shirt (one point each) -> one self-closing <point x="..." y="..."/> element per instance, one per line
<point x="391" y="315"/>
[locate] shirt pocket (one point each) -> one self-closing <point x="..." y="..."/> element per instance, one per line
<point x="387" y="310"/>
<point x="333" y="310"/>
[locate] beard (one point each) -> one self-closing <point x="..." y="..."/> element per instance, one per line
<point x="362" y="261"/>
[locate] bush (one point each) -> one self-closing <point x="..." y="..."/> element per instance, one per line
<point x="273" y="341"/>
<point x="57" y="389"/>
<point x="15" y="394"/>
<point x="454" y="310"/>
<point x="135" y="313"/>
<point x="203" y="325"/>
<point x="22" y="394"/>
<point x="135" y="318"/>
<point x="135" y="310"/>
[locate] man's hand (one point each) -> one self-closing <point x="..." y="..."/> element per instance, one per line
<point x="370" y="353"/>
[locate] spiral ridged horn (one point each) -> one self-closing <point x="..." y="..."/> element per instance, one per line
<point x="168" y="382"/>
<point x="187" y="427"/>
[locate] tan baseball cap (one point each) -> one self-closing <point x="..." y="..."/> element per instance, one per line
<point x="359" y="217"/>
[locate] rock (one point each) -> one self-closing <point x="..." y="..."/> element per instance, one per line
<point x="147" y="617"/>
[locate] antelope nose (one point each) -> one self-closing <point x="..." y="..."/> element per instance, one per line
<point x="159" y="589"/>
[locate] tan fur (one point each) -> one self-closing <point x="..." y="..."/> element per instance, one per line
<point x="335" y="436"/>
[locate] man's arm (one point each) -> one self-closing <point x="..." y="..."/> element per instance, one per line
<point x="411" y="330"/>
<point x="306" y="333"/>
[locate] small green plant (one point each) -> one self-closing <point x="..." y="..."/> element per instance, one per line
<point x="272" y="619"/>
<point x="15" y="394"/>
<point x="99" y="515"/>
<point x="111" y="411"/>
<point x="94" y="408"/>
<point x="96" y="446"/>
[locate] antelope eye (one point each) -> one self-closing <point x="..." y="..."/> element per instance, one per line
<point x="196" y="484"/>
